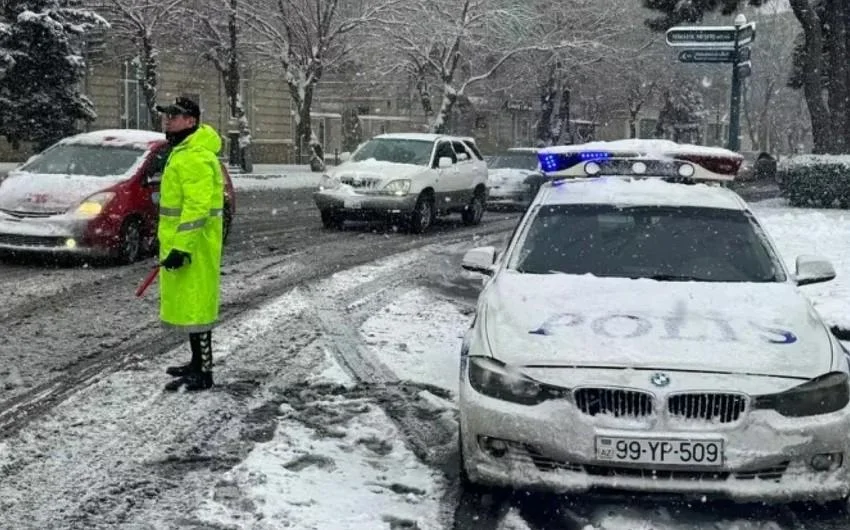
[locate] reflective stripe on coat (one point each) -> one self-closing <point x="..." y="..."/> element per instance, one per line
<point x="190" y="219"/>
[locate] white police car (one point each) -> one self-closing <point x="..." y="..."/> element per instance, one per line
<point x="640" y="332"/>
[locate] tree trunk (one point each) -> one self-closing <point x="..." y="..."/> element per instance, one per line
<point x="838" y="72"/>
<point x="150" y="67"/>
<point x="440" y="122"/>
<point x="302" y="96"/>
<point x="564" y="133"/>
<point x="548" y="93"/>
<point x="424" y="91"/>
<point x="813" y="74"/>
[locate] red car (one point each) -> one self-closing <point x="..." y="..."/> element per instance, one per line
<point x="93" y="194"/>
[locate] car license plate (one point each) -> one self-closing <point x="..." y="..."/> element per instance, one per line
<point x="677" y="452"/>
<point x="352" y="204"/>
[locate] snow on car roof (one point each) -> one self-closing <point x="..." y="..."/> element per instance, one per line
<point x="644" y="147"/>
<point x="640" y="192"/>
<point x="428" y="137"/>
<point x="131" y="137"/>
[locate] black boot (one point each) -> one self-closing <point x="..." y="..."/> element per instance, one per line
<point x="183" y="370"/>
<point x="197" y="375"/>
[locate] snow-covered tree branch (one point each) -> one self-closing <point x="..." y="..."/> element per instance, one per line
<point x="306" y="38"/>
<point x="460" y="44"/>
<point x="143" y="23"/>
<point x="41" y="69"/>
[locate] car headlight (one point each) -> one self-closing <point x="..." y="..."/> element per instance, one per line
<point x="94" y="205"/>
<point x="398" y="187"/>
<point x="494" y="379"/>
<point x="822" y="395"/>
<point x="328" y="183"/>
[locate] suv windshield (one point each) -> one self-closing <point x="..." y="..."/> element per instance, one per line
<point x="84" y="159"/>
<point x="400" y="151"/>
<point x="513" y="161"/>
<point x="662" y="243"/>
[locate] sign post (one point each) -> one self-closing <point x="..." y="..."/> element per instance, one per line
<point x="720" y="44"/>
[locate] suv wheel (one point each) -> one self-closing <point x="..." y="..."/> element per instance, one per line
<point x="474" y="210"/>
<point x="423" y="215"/>
<point x="330" y="220"/>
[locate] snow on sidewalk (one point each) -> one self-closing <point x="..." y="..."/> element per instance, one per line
<point x="825" y="233"/>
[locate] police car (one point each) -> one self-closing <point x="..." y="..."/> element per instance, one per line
<point x="640" y="332"/>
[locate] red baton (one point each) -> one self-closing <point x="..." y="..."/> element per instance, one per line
<point x="148" y="280"/>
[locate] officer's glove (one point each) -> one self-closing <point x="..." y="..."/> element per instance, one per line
<point x="176" y="259"/>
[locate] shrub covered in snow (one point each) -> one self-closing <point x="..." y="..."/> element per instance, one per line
<point x="816" y="180"/>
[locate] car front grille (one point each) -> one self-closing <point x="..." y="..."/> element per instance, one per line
<point x="29" y="215"/>
<point x="774" y="473"/>
<point x="362" y="183"/>
<point x="31" y="241"/>
<point x="711" y="407"/>
<point x="656" y="473"/>
<point x="614" y="401"/>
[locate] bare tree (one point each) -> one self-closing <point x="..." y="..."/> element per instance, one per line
<point x="140" y="22"/>
<point x="221" y="43"/>
<point x="305" y="38"/>
<point x="462" y="44"/>
<point x="766" y="94"/>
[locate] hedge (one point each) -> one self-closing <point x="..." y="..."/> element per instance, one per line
<point x="815" y="180"/>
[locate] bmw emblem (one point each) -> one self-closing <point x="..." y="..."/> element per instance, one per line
<point x="659" y="379"/>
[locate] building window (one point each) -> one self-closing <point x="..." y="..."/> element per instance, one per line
<point x="134" y="113"/>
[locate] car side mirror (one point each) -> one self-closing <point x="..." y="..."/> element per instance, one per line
<point x="344" y="157"/>
<point x="480" y="260"/>
<point x="154" y="179"/>
<point x="813" y="269"/>
<point x="444" y="162"/>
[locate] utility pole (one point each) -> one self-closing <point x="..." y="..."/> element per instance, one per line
<point x="734" y="143"/>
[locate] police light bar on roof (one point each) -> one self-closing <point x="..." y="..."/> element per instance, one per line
<point x="711" y="163"/>
<point x="677" y="170"/>
<point x="557" y="162"/>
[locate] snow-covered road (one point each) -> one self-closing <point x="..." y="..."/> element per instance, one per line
<point x="334" y="400"/>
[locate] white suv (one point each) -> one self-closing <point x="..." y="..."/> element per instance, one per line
<point x="414" y="177"/>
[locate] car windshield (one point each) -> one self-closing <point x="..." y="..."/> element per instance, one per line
<point x="397" y="150"/>
<point x="513" y="161"/>
<point x="84" y="159"/>
<point x="662" y="243"/>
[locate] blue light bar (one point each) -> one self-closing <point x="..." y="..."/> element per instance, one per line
<point x="554" y="162"/>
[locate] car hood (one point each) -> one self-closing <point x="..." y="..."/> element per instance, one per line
<point x="503" y="176"/>
<point x="373" y="171"/>
<point x="31" y="192"/>
<point x="565" y="320"/>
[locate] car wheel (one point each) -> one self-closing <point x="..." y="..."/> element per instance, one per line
<point x="331" y="220"/>
<point x="130" y="241"/>
<point x="423" y="215"/>
<point x="474" y="210"/>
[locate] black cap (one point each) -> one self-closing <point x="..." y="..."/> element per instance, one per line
<point x="181" y="105"/>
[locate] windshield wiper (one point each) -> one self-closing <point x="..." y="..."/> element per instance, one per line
<point x="675" y="278"/>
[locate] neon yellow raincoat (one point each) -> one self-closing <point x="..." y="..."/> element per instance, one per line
<point x="190" y="219"/>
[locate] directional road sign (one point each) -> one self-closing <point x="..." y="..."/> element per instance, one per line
<point x="745" y="69"/>
<point x="710" y="36"/>
<point x="707" y="55"/>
